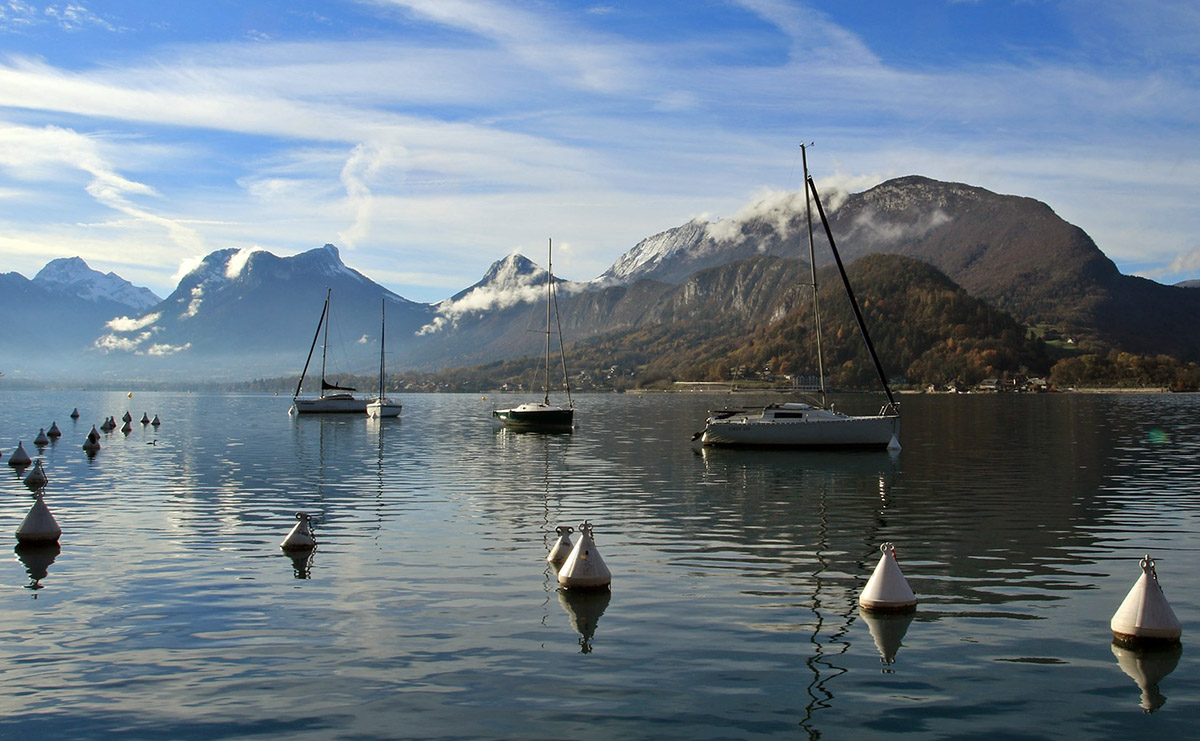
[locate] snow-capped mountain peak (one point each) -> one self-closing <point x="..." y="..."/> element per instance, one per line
<point x="72" y="276"/>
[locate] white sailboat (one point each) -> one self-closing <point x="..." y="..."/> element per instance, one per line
<point x="542" y="415"/>
<point x="804" y="425"/>
<point x="333" y="399"/>
<point x="381" y="406"/>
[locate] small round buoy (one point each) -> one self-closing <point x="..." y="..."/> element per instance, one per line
<point x="584" y="568"/>
<point x="53" y="432"/>
<point x="129" y="395"/>
<point x="75" y="413"/>
<point x="155" y="421"/>
<point x="41" y="440"/>
<point x="887" y="590"/>
<point x="127" y="417"/>
<point x="301" y="537"/>
<point x="563" y="546"/>
<point x="39" y="526"/>
<point x="37" y="476"/>
<point x="1145" y="617"/>
<point x="19" y="458"/>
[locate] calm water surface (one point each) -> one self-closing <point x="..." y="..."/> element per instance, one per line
<point x="427" y="610"/>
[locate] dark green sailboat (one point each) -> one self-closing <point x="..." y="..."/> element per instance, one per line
<point x="541" y="415"/>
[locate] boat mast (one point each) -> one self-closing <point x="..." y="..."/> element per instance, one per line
<point x="312" y="347"/>
<point x="325" y="341"/>
<point x="382" y="334"/>
<point x="812" y="263"/>
<point x="549" y="300"/>
<point x="862" y="325"/>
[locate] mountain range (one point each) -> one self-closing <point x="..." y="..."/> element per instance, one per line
<point x="242" y="314"/>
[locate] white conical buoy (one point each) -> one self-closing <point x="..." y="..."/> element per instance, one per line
<point x="301" y="537"/>
<point x="887" y="590"/>
<point x="1145" y="617"/>
<point x="19" y="458"/>
<point x="91" y="445"/>
<point x="562" y="547"/>
<point x="37" y="477"/>
<point x="75" y="413"/>
<point x="584" y="568"/>
<point x="41" y="440"/>
<point x="39" y="525"/>
<point x="894" y="443"/>
<point x="53" y="432"/>
<point x="93" y="436"/>
<point x="154" y="422"/>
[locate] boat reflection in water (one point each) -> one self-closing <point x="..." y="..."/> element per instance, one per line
<point x="584" y="608"/>
<point x="1148" y="667"/>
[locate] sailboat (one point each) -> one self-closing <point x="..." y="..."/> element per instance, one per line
<point x="800" y="424"/>
<point x="339" y="401"/>
<point x="381" y="405"/>
<point x="542" y="415"/>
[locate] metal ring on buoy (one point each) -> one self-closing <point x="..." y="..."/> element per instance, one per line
<point x="888" y="546"/>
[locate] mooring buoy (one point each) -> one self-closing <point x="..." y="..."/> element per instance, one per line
<point x="584" y="568"/>
<point x="154" y="422"/>
<point x="19" y="458"/>
<point x="563" y="546"/>
<point x="126" y="417"/>
<point x="145" y="418"/>
<point x="39" y="526"/>
<point x="1145" y="617"/>
<point x="75" y="413"/>
<point x="37" y="476"/>
<point x="887" y="590"/>
<point x="41" y="440"/>
<point x="54" y="432"/>
<point x="93" y="436"/>
<point x="301" y="537"/>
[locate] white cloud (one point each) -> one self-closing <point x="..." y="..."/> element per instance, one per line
<point x="128" y="324"/>
<point x="237" y="263"/>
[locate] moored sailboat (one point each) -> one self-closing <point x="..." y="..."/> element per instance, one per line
<point x="542" y="415"/>
<point x="381" y="406"/>
<point x="333" y="398"/>
<point x="805" y="425"/>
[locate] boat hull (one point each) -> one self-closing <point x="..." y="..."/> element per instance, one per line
<point x="873" y="432"/>
<point x="379" y="409"/>
<point x="539" y="417"/>
<point x="338" y="404"/>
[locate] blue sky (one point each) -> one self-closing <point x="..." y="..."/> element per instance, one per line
<point x="429" y="138"/>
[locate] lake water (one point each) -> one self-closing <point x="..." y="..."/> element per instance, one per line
<point x="427" y="610"/>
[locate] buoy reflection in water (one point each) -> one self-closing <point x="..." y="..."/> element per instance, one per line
<point x="584" y="608"/>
